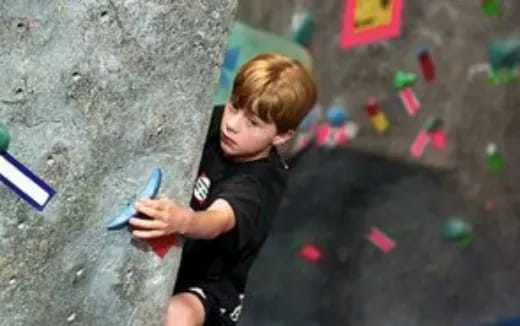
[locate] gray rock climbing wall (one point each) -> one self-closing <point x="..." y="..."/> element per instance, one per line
<point x="96" y="94"/>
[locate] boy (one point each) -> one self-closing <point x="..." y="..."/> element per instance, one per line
<point x="239" y="187"/>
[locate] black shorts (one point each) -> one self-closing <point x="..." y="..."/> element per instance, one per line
<point x="215" y="313"/>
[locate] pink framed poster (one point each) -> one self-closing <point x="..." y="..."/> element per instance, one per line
<point x="367" y="21"/>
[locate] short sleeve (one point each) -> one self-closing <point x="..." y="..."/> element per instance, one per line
<point x="216" y="118"/>
<point x="242" y="192"/>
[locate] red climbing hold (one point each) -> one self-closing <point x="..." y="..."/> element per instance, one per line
<point x="427" y="65"/>
<point x="311" y="253"/>
<point x="162" y="245"/>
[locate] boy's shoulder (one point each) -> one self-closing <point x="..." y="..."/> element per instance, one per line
<point x="267" y="171"/>
<point x="216" y="118"/>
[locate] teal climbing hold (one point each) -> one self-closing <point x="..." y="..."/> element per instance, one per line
<point x="504" y="53"/>
<point x="302" y="29"/>
<point x="504" y="59"/>
<point x="457" y="230"/>
<point x="4" y="138"/>
<point x="244" y="43"/>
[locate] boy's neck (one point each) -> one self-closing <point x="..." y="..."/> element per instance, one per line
<point x="263" y="154"/>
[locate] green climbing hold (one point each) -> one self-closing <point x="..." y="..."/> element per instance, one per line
<point x="494" y="78"/>
<point x="494" y="159"/>
<point x="491" y="7"/>
<point x="511" y="77"/>
<point x="404" y="79"/>
<point x="465" y="241"/>
<point x="4" y="138"/>
<point x="457" y="230"/>
<point x="433" y="124"/>
<point x="503" y="76"/>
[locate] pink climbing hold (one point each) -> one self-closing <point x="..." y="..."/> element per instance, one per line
<point x="410" y="101"/>
<point x="341" y="136"/>
<point x="439" y="139"/>
<point x="311" y="253"/>
<point x="331" y="137"/>
<point x="381" y="240"/>
<point x="421" y="141"/>
<point x="323" y="134"/>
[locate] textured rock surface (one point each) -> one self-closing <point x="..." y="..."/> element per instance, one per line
<point x="96" y="94"/>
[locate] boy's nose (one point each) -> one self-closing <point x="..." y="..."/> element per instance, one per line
<point x="233" y="123"/>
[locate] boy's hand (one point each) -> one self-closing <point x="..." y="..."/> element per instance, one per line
<point x="166" y="217"/>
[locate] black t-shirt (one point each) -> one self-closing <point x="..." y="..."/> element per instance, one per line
<point x="254" y="190"/>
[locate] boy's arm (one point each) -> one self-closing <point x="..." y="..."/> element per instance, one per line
<point x="168" y="217"/>
<point x="235" y="208"/>
<point x="217" y="219"/>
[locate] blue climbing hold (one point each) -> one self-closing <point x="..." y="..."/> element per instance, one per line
<point x="337" y="116"/>
<point x="223" y="79"/>
<point x="231" y="58"/>
<point x="148" y="190"/>
<point x="228" y="66"/>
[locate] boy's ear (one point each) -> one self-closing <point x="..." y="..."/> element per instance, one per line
<point x="283" y="137"/>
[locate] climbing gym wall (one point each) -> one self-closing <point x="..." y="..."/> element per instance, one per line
<point x="97" y="99"/>
<point x="404" y="205"/>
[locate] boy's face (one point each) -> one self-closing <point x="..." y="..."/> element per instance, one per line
<point x="245" y="137"/>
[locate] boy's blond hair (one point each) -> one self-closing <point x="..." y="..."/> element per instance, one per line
<point x="276" y="88"/>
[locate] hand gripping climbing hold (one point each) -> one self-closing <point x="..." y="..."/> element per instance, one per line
<point x="149" y="190"/>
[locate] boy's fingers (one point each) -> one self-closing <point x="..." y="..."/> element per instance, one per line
<point x="149" y="211"/>
<point x="159" y="203"/>
<point x="148" y="234"/>
<point x="163" y="203"/>
<point x="146" y="224"/>
<point x="149" y="202"/>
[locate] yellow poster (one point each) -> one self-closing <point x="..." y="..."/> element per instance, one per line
<point x="372" y="14"/>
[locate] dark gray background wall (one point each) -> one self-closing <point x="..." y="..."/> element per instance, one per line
<point x="335" y="196"/>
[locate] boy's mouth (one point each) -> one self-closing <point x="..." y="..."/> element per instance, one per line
<point x="227" y="139"/>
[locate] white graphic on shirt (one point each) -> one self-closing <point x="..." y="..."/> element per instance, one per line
<point x="201" y="189"/>
<point x="236" y="312"/>
<point x="199" y="291"/>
